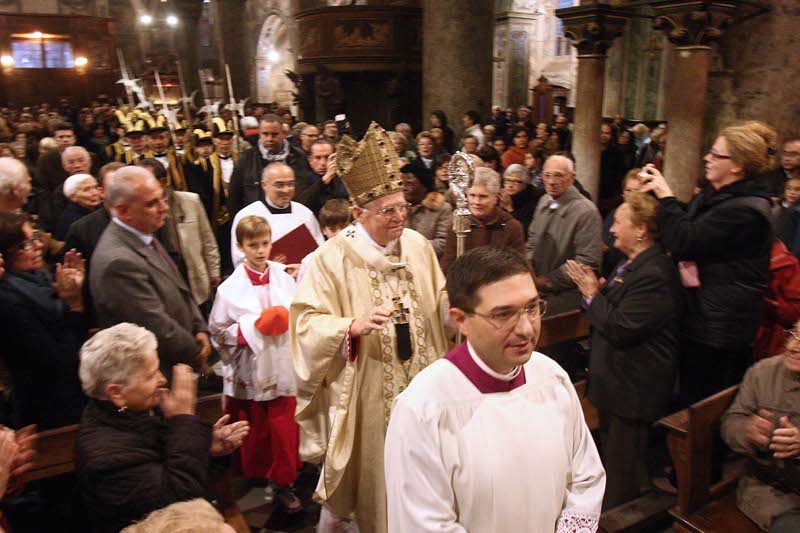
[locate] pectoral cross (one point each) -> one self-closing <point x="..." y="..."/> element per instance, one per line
<point x="400" y="315"/>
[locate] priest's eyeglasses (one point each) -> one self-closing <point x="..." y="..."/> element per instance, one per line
<point x="508" y="318"/>
<point x="394" y="210"/>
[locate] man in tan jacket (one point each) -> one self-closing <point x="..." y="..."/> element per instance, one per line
<point x="763" y="423"/>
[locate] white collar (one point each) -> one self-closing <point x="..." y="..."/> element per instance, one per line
<point x="273" y="206"/>
<point x="144" y="237"/>
<point x="483" y="366"/>
<point x="389" y="248"/>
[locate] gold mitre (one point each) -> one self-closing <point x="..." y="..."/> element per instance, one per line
<point x="369" y="168"/>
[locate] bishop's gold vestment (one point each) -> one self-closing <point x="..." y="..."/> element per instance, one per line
<point x="347" y="277"/>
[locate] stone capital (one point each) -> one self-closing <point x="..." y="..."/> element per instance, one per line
<point x="693" y="22"/>
<point x="592" y="28"/>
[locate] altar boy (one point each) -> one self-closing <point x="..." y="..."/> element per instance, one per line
<point x="492" y="436"/>
<point x="249" y="326"/>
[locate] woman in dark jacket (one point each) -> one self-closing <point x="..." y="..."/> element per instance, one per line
<point x="722" y="240"/>
<point x="141" y="447"/>
<point x="42" y="327"/>
<point x="634" y="352"/>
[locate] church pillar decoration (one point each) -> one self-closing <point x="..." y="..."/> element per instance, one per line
<point x="691" y="26"/>
<point x="457" y="58"/>
<point x="592" y="30"/>
<point x="514" y="37"/>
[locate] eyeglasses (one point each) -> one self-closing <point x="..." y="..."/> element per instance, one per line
<point x="393" y="210"/>
<point x="283" y="185"/>
<point x="558" y="176"/>
<point x="507" y="319"/>
<point x="791" y="154"/>
<point x="28" y="244"/>
<point x="790" y="335"/>
<point x="716" y="156"/>
<point x="509" y="180"/>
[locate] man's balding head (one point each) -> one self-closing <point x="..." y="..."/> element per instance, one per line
<point x="278" y="183"/>
<point x="137" y="199"/>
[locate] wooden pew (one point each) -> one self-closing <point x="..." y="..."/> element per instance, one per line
<point x="702" y="507"/>
<point x="569" y="326"/>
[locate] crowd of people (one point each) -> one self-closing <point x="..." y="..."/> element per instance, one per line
<point x="311" y="274"/>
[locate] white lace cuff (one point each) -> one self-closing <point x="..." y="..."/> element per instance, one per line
<point x="570" y="522"/>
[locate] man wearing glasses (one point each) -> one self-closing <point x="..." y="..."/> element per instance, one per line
<point x="492" y="438"/>
<point x="367" y="317"/>
<point x="762" y="423"/>
<point x="565" y="226"/>
<point x="287" y="219"/>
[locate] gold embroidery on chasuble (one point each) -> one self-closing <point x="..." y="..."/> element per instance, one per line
<point x="397" y="374"/>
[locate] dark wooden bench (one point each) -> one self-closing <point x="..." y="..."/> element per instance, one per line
<point x="703" y="506"/>
<point x="569" y="326"/>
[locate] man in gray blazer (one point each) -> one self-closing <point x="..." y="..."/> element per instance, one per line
<point x="565" y="226"/>
<point x="134" y="280"/>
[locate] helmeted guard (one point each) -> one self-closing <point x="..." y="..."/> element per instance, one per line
<point x="165" y="154"/>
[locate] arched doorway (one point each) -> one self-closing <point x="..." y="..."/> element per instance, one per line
<point x="273" y="57"/>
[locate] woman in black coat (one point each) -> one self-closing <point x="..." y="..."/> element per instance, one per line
<point x="141" y="447"/>
<point x="42" y="327"/>
<point x="634" y="348"/>
<point x="722" y="240"/>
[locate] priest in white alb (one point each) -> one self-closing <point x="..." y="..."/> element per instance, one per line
<point x="295" y="230"/>
<point x="492" y="437"/>
<point x="367" y="317"/>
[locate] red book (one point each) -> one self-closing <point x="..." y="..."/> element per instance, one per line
<point x="294" y="246"/>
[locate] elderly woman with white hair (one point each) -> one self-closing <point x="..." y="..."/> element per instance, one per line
<point x="518" y="196"/>
<point x="140" y="446"/>
<point x="83" y="196"/>
<point x="489" y="224"/>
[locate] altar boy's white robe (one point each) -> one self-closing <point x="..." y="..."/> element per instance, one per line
<point x="280" y="224"/>
<point x="260" y="370"/>
<point x="469" y="451"/>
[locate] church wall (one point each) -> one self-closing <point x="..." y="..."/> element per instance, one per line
<point x="755" y="74"/>
<point x="258" y="11"/>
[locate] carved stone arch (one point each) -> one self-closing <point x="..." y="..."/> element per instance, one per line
<point x="265" y="17"/>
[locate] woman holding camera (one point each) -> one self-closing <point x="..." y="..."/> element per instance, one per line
<point x="721" y="240"/>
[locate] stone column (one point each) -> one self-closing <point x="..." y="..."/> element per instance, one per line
<point x="186" y="42"/>
<point x="691" y="31"/>
<point x="592" y="29"/>
<point x="457" y="58"/>
<point x="232" y="47"/>
<point x="514" y="37"/>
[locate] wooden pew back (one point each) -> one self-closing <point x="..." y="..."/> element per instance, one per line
<point x="703" y="506"/>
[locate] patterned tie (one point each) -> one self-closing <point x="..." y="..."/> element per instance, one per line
<point x="163" y="254"/>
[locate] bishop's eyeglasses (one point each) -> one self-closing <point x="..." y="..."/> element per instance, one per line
<point x="394" y="210"/>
